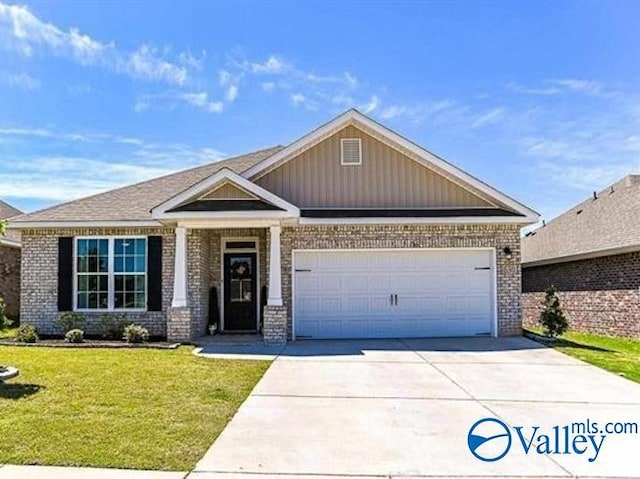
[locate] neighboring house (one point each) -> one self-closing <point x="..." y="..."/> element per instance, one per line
<point x="10" y="264"/>
<point x="591" y="254"/>
<point x="351" y="231"/>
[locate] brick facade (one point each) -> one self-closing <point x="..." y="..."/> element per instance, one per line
<point x="204" y="249"/>
<point x="10" y="279"/>
<point x="600" y="295"/>
<point x="39" y="278"/>
<point x="418" y="236"/>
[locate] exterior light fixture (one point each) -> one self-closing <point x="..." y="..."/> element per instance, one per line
<point x="507" y="252"/>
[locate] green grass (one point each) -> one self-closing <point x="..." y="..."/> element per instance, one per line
<point x="8" y="333"/>
<point x="618" y="355"/>
<point x="141" y="409"/>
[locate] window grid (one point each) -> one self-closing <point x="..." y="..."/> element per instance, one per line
<point x="125" y="274"/>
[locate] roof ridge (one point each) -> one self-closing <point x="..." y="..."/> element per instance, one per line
<point x="194" y="168"/>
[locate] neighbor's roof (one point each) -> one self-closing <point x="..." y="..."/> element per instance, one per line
<point x="607" y="225"/>
<point x="134" y="203"/>
<point x="7" y="211"/>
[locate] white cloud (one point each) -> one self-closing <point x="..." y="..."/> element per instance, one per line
<point x="231" y="93"/>
<point x="564" y="86"/>
<point x="268" y="86"/>
<point x="492" y="116"/>
<point x="144" y="63"/>
<point x="101" y="161"/>
<point x="371" y="105"/>
<point x="201" y="100"/>
<point x="298" y="98"/>
<point x="22" y="81"/>
<point x="23" y="32"/>
<point x="271" y="65"/>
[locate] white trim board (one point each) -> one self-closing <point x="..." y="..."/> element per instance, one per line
<point x="428" y="158"/>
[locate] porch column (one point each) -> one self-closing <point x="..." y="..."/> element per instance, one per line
<point x="180" y="270"/>
<point x="275" y="280"/>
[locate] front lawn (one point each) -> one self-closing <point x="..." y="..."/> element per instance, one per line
<point x="8" y="333"/>
<point x="618" y="355"/>
<point x="141" y="409"/>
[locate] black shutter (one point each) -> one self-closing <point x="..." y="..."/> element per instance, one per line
<point x="154" y="273"/>
<point x="65" y="274"/>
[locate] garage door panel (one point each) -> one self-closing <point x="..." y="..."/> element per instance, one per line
<point x="347" y="294"/>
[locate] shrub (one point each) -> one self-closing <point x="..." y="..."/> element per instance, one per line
<point x="4" y="321"/>
<point x="74" y="336"/>
<point x="552" y="318"/>
<point x="112" y="326"/>
<point x="68" y="320"/>
<point x="135" y="333"/>
<point x="26" y="334"/>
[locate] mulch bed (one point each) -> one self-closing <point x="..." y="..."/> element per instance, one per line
<point x="90" y="343"/>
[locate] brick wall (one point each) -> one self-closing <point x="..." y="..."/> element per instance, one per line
<point x="418" y="236"/>
<point x="10" y="279"/>
<point x="599" y="295"/>
<point x="39" y="278"/>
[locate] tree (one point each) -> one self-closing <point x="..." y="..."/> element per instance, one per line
<point x="552" y="318"/>
<point x="3" y="227"/>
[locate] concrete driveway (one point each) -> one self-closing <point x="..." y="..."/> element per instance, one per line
<point x="404" y="408"/>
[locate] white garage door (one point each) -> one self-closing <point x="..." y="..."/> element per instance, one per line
<point x="393" y="293"/>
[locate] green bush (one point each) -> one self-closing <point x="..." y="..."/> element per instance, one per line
<point x="68" y="320"/>
<point x="4" y="321"/>
<point x="135" y="333"/>
<point x="26" y="334"/>
<point x="552" y="318"/>
<point x="74" y="336"/>
<point x="112" y="326"/>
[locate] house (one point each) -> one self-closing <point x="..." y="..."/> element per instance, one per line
<point x="591" y="254"/>
<point x="10" y="264"/>
<point x="351" y="231"/>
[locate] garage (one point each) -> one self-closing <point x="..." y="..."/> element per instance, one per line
<point x="393" y="293"/>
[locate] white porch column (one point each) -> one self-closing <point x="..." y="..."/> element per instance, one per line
<point x="180" y="270"/>
<point x="275" y="280"/>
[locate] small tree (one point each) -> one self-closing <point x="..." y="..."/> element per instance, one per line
<point x="552" y="318"/>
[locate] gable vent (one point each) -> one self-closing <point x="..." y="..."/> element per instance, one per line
<point x="351" y="151"/>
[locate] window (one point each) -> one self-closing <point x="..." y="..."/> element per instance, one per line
<point x="350" y="151"/>
<point x="111" y="273"/>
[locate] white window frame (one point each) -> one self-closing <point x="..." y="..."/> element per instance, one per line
<point x="342" y="141"/>
<point x="111" y="274"/>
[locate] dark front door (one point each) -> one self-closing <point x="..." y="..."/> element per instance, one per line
<point x="240" y="285"/>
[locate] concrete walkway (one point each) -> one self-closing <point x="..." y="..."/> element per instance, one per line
<point x="403" y="408"/>
<point x="49" y="472"/>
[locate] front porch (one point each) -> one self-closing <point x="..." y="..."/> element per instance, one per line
<point x="228" y="276"/>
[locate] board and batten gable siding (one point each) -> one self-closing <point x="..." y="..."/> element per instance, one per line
<point x="385" y="179"/>
<point x="227" y="191"/>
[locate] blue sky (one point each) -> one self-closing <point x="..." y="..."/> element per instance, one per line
<point x="540" y="99"/>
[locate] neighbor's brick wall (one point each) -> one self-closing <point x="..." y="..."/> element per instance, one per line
<point x="10" y="279"/>
<point x="599" y="295"/>
<point x="39" y="279"/>
<point x="418" y="236"/>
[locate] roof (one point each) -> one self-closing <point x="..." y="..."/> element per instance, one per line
<point x="134" y="203"/>
<point x="11" y="238"/>
<point x="149" y="202"/>
<point x="606" y="224"/>
<point x="7" y="211"/>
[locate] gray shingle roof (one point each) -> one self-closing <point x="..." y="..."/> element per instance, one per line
<point x="610" y="222"/>
<point x="7" y="211"/>
<point x="133" y="203"/>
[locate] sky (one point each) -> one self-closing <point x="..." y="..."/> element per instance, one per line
<point x="540" y="99"/>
